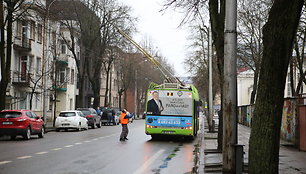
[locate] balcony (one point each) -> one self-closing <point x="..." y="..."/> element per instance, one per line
<point x="62" y="60"/>
<point x="21" y="79"/>
<point x="22" y="45"/>
<point x="61" y="88"/>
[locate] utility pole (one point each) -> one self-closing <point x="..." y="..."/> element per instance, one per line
<point x="230" y="88"/>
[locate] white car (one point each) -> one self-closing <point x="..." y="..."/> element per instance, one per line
<point x="71" y="120"/>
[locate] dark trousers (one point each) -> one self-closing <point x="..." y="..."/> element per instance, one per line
<point x="125" y="131"/>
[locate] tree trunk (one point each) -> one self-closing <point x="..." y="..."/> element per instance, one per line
<point x="124" y="99"/>
<point x="106" y="89"/>
<point x="96" y="91"/>
<point x="217" y="19"/>
<point x="278" y="36"/>
<point x="254" y="91"/>
<point x="80" y="98"/>
<point x="5" y="76"/>
<point x="120" y="99"/>
<point x="3" y="62"/>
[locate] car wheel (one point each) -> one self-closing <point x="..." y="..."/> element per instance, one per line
<point x="99" y="124"/>
<point x="57" y="129"/>
<point x="27" y="134"/>
<point x="42" y="133"/>
<point x="13" y="137"/>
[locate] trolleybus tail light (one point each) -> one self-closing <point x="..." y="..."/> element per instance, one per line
<point x="149" y="126"/>
<point x="188" y="128"/>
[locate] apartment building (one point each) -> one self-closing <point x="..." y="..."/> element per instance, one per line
<point x="43" y="70"/>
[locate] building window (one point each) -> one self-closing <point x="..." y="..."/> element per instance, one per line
<point x="38" y="65"/>
<point x="23" y="68"/>
<point x="39" y="33"/>
<point x="32" y="28"/>
<point x="72" y="77"/>
<point x="19" y="29"/>
<point x="63" y="47"/>
<point x="53" y="39"/>
<point x="62" y="75"/>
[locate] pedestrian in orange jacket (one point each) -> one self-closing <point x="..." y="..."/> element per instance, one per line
<point x="124" y="120"/>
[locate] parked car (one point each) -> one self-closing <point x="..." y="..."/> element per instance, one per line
<point x="21" y="122"/>
<point x="108" y="116"/>
<point x="71" y="120"/>
<point x="91" y="115"/>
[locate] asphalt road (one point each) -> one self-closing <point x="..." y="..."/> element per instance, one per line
<point x="98" y="151"/>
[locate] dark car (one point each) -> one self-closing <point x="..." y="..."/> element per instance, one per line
<point x="21" y="122"/>
<point x="94" y="120"/>
<point x="108" y="116"/>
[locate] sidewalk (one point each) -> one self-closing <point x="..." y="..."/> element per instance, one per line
<point x="291" y="161"/>
<point x="49" y="126"/>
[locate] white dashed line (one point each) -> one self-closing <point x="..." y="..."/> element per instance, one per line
<point x="69" y="146"/>
<point x="24" y="157"/>
<point x="55" y="149"/>
<point x="78" y="143"/>
<point x="40" y="153"/>
<point x="95" y="139"/>
<point x="4" y="162"/>
<point x="87" y="141"/>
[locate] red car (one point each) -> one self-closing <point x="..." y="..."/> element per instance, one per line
<point x="21" y="122"/>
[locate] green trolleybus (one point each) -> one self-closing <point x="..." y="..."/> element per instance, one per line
<point x="172" y="109"/>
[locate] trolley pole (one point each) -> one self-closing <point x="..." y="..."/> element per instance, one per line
<point x="230" y="88"/>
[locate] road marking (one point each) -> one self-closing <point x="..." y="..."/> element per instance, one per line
<point x="87" y="141"/>
<point x="24" y="157"/>
<point x="78" y="143"/>
<point x="40" y="153"/>
<point x="148" y="162"/>
<point x="4" y="162"/>
<point x="55" y="149"/>
<point x="95" y="139"/>
<point x="69" y="146"/>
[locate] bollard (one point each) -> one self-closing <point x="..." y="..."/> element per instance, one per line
<point x="239" y="158"/>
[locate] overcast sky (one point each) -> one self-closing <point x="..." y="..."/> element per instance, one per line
<point x="162" y="29"/>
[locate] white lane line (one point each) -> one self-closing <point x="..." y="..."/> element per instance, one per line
<point x="148" y="162"/>
<point x="78" y="143"/>
<point x="41" y="153"/>
<point x="55" y="149"/>
<point x="87" y="141"/>
<point x="4" y="162"/>
<point x="95" y="139"/>
<point x="24" y="157"/>
<point x="69" y="146"/>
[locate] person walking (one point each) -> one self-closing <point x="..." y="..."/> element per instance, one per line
<point x="124" y="120"/>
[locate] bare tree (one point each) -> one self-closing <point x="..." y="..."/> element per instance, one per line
<point x="251" y="15"/>
<point x="297" y="61"/>
<point x="10" y="10"/>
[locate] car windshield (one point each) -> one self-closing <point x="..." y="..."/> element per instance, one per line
<point x="10" y="114"/>
<point x="86" y="112"/>
<point x="67" y="114"/>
